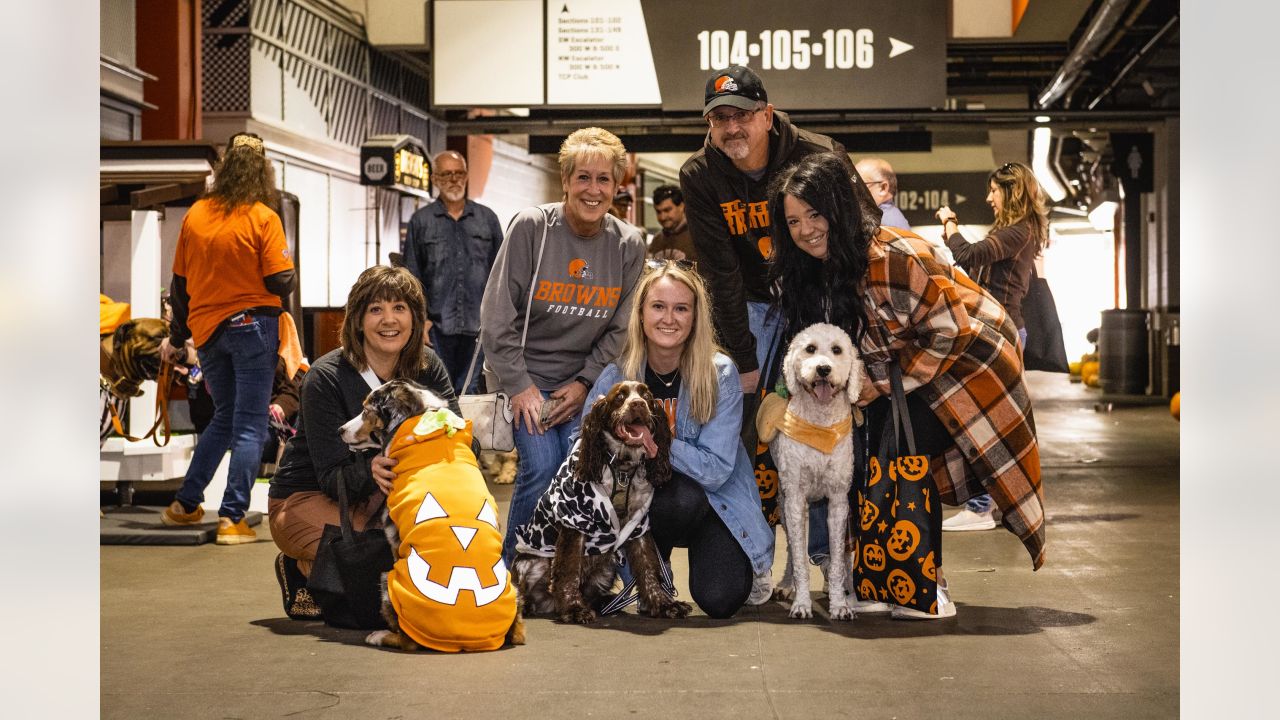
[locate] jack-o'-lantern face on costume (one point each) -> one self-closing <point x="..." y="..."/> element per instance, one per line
<point x="928" y="567"/>
<point x="903" y="540"/>
<point x="912" y="467"/>
<point x="902" y="587"/>
<point x="870" y="513"/>
<point x="873" y="557"/>
<point x="451" y="568"/>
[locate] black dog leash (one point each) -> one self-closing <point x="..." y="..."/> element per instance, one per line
<point x="629" y="595"/>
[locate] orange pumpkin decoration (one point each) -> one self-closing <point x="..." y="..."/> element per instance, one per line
<point x="912" y="467"/>
<point x="928" y="567"/>
<point x="766" y="481"/>
<point x="902" y="587"/>
<point x="867" y="590"/>
<point x="870" y="513"/>
<point x="1175" y="406"/>
<point x="875" y="472"/>
<point x="450" y="587"/>
<point x="903" y="540"/>
<point x="1089" y="373"/>
<point x="873" y="557"/>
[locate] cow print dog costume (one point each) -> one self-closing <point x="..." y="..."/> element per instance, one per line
<point x="596" y="509"/>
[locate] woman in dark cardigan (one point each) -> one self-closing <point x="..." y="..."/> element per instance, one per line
<point x="382" y="340"/>
<point x="1002" y="263"/>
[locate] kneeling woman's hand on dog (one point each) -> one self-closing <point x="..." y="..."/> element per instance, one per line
<point x="383" y="470"/>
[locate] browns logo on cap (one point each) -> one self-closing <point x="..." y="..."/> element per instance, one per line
<point x="737" y="86"/>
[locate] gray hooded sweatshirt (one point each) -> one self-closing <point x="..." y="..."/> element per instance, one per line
<point x="581" y="300"/>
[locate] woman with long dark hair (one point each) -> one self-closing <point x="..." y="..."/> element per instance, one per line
<point x="953" y="342"/>
<point x="231" y="275"/>
<point x="1002" y="263"/>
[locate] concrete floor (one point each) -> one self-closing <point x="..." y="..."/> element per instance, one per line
<point x="199" y="632"/>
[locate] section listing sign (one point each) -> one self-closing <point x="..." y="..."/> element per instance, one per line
<point x="811" y="54"/>
<point x="598" y="54"/>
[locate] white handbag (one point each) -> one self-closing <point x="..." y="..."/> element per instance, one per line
<point x="490" y="413"/>
<point x="491" y="417"/>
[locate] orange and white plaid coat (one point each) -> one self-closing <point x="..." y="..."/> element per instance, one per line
<point x="959" y="350"/>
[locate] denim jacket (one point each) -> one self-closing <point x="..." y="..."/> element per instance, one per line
<point x="452" y="259"/>
<point x="713" y="456"/>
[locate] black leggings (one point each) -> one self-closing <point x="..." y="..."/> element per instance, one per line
<point x="720" y="572"/>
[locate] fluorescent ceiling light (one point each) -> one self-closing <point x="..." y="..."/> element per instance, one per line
<point x="1042" y="118"/>
<point x="1040" y="141"/>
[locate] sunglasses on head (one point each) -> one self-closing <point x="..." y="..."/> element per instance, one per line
<point x="655" y="264"/>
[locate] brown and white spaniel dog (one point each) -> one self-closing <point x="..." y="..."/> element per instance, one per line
<point x="597" y="508"/>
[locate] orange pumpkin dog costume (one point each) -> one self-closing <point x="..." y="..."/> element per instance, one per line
<point x="449" y="587"/>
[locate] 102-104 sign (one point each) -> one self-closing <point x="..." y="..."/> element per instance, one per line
<point x="842" y="49"/>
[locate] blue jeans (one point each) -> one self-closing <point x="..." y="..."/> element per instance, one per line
<point x="766" y="328"/>
<point x="455" y="351"/>
<point x="239" y="366"/>
<point x="983" y="503"/>
<point x="538" y="459"/>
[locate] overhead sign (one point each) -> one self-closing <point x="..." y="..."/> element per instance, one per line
<point x="811" y="54"/>
<point x="397" y="160"/>
<point x="598" y="54"/>
<point x="921" y="194"/>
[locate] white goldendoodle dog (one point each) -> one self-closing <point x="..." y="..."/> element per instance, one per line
<point x="814" y="453"/>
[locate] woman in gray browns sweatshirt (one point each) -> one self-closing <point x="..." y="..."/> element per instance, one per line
<point x="575" y="295"/>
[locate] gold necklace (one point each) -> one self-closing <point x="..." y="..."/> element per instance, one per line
<point x="667" y="383"/>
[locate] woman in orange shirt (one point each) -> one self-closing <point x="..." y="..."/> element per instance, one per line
<point x="231" y="273"/>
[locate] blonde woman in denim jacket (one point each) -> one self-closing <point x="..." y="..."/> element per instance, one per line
<point x="711" y="506"/>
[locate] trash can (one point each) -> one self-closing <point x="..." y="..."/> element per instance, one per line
<point x="1124" y="352"/>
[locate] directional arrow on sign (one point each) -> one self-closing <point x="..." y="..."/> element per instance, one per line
<point x="959" y="198"/>
<point x="897" y="47"/>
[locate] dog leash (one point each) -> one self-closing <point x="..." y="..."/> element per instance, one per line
<point x="164" y="380"/>
<point x="629" y="595"/>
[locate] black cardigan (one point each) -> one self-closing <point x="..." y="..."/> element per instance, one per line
<point x="333" y="392"/>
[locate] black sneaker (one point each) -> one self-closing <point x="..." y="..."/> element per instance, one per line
<point x="298" y="603"/>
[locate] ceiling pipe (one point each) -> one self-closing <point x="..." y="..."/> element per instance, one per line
<point x="1100" y="28"/>
<point x="1137" y="57"/>
<point x="1024" y="118"/>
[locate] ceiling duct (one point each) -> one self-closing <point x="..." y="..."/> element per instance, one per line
<point x="1100" y="28"/>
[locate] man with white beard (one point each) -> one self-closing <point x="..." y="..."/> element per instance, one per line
<point x="450" y="248"/>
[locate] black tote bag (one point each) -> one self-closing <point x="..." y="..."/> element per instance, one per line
<point x="1045" y="348"/>
<point x="345" y="576"/>
<point x="897" y="518"/>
